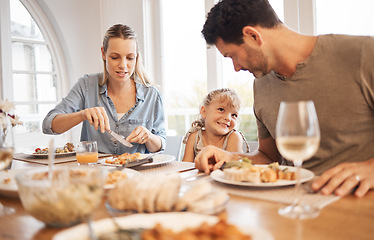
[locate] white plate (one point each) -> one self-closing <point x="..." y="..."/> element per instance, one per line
<point x="129" y="172"/>
<point x="157" y="160"/>
<point x="305" y="175"/>
<point x="174" y="221"/>
<point x="208" y="211"/>
<point x="45" y="155"/>
<point x="9" y="189"/>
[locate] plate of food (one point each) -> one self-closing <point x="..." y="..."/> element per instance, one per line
<point x="271" y="175"/>
<point x="8" y="185"/>
<point x="170" y="225"/>
<point x="65" y="151"/>
<point x="114" y="176"/>
<point x="165" y="193"/>
<point x="122" y="159"/>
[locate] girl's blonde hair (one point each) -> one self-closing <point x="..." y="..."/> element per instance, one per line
<point x="125" y="32"/>
<point x="220" y="95"/>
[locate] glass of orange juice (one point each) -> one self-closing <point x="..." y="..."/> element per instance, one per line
<point x="87" y="153"/>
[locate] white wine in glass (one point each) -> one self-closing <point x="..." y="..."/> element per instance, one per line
<point x="297" y="138"/>
<point x="6" y="154"/>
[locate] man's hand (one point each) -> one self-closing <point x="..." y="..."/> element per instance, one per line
<point x="345" y="177"/>
<point x="211" y="158"/>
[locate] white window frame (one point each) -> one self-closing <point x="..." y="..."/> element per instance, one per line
<point x="60" y="69"/>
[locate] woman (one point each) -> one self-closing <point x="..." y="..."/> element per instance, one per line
<point x="120" y="99"/>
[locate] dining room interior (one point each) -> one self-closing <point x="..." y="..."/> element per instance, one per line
<point x="47" y="45"/>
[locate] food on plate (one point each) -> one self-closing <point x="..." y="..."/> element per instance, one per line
<point x="160" y="193"/>
<point x="220" y="230"/>
<point x="6" y="181"/>
<point x="69" y="147"/>
<point x="244" y="171"/>
<point x="216" y="230"/>
<point x="124" y="158"/>
<point x="115" y="176"/>
<point x="146" y="193"/>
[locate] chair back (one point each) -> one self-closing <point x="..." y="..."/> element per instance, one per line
<point x="174" y="146"/>
<point x="253" y="145"/>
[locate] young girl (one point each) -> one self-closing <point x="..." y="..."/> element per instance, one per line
<point x="216" y="125"/>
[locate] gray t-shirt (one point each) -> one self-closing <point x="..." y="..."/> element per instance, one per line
<point x="339" y="77"/>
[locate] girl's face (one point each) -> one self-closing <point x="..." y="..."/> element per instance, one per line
<point x="220" y="116"/>
<point x="120" y="58"/>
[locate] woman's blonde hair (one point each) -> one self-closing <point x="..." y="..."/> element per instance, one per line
<point x="221" y="95"/>
<point x="125" y="32"/>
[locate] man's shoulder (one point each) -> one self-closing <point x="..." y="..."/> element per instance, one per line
<point x="344" y="38"/>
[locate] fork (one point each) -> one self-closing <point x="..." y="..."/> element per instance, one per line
<point x="91" y="232"/>
<point x="122" y="233"/>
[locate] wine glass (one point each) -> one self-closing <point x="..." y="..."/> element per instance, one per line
<point x="6" y="153"/>
<point x="297" y="137"/>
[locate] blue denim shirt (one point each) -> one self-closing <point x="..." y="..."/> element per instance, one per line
<point x="148" y="111"/>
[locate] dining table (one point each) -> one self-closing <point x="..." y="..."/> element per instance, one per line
<point x="346" y="217"/>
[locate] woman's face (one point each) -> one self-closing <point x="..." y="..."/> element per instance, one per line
<point x="120" y="58"/>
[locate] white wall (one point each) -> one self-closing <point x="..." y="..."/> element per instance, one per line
<point x="81" y="24"/>
<point x="77" y="25"/>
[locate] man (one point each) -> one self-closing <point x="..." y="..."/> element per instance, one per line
<point x="335" y="71"/>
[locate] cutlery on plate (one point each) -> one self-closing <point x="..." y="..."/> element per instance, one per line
<point x="91" y="231"/>
<point x="123" y="233"/>
<point x="135" y="163"/>
<point x="197" y="177"/>
<point x="120" y="139"/>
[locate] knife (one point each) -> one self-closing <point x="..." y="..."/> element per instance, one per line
<point x="120" y="139"/>
<point x="136" y="163"/>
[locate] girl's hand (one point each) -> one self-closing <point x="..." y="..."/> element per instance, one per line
<point x="97" y="117"/>
<point x="140" y="135"/>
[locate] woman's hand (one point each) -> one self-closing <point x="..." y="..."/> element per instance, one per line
<point x="140" y="135"/>
<point x="345" y="177"/>
<point x="97" y="117"/>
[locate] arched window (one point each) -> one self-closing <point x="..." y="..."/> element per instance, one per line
<point x="32" y="68"/>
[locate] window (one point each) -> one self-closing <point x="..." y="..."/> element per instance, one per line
<point x="34" y="80"/>
<point x="352" y="17"/>
<point x="185" y="71"/>
<point x="186" y="67"/>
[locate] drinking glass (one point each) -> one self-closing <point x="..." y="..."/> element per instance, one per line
<point x="297" y="137"/>
<point x="6" y="153"/>
<point x="87" y="153"/>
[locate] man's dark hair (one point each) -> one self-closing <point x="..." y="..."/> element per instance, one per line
<point x="228" y="17"/>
